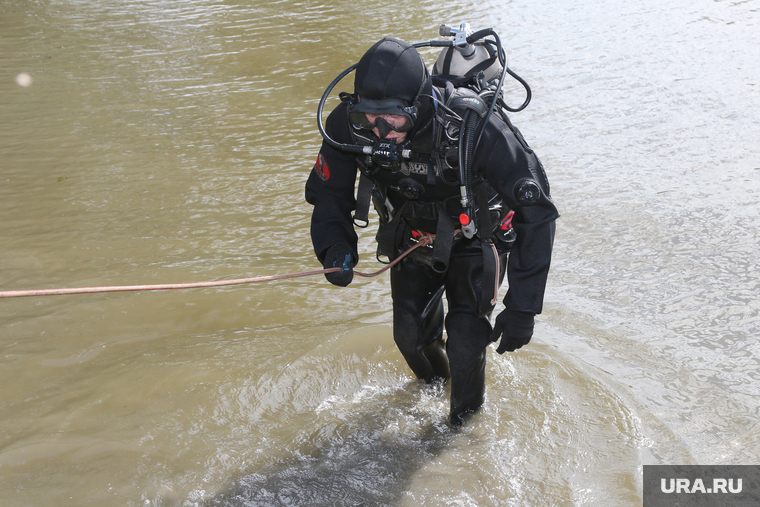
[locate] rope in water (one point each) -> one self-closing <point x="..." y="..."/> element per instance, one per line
<point x="424" y="240"/>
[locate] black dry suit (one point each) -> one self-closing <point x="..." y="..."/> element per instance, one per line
<point x="422" y="194"/>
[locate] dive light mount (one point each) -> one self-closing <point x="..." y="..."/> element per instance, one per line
<point x="387" y="155"/>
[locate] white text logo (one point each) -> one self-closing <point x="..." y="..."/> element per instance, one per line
<point x="698" y="486"/>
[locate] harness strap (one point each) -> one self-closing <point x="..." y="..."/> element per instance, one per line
<point x="444" y="234"/>
<point x="363" y="199"/>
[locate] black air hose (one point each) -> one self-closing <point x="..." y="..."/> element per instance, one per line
<point x="466" y="151"/>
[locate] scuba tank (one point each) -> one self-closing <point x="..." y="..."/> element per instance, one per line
<point x="461" y="61"/>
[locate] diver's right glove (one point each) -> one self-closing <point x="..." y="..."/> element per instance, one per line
<point x="339" y="256"/>
<point x="514" y="328"/>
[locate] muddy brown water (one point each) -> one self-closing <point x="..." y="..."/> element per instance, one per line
<point x="169" y="142"/>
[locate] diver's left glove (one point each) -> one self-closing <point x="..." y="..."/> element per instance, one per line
<point x="514" y="328"/>
<point x="340" y="256"/>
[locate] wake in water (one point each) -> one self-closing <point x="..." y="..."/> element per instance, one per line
<point x="352" y="429"/>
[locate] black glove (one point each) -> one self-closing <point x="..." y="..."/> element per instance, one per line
<point x="339" y="256"/>
<point x="515" y="329"/>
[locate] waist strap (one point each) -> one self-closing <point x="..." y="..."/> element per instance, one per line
<point x="392" y="235"/>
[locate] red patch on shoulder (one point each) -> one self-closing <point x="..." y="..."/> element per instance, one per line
<point x="321" y="168"/>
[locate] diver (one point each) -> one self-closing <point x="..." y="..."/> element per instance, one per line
<point x="433" y="160"/>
